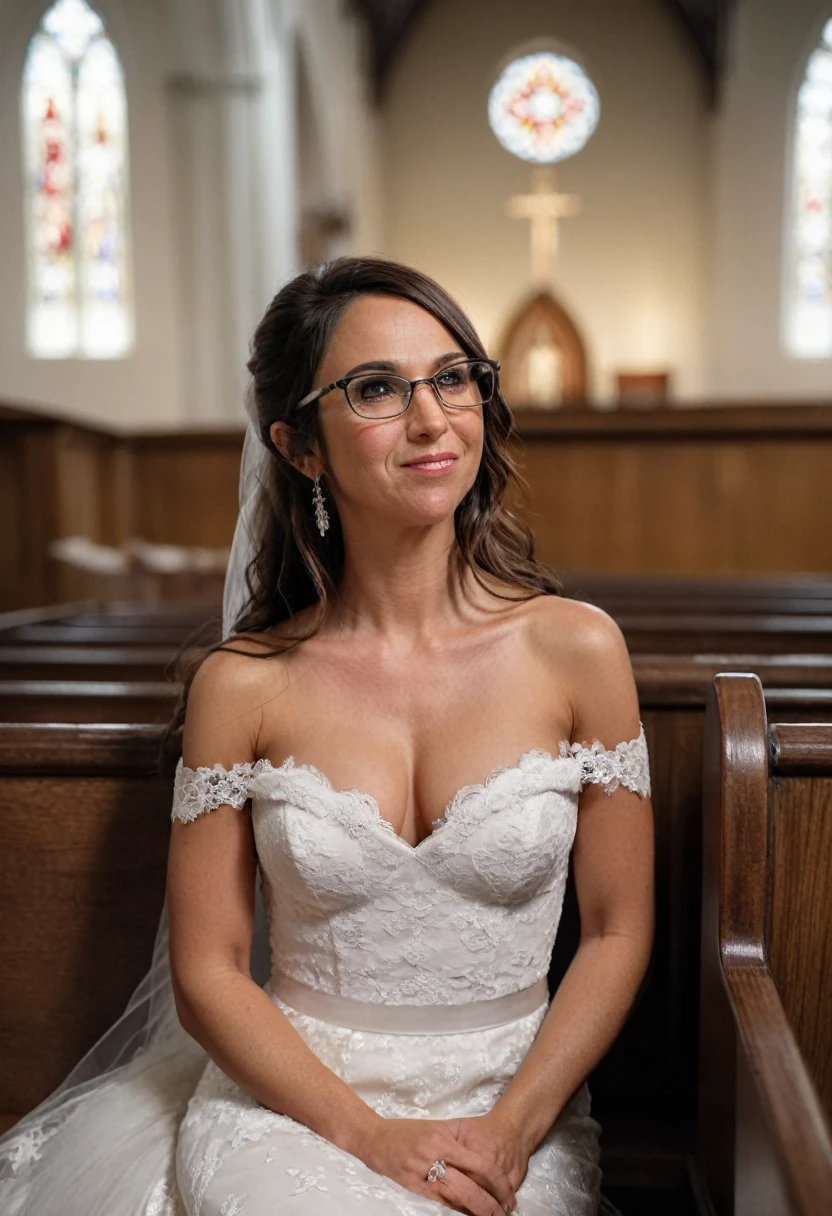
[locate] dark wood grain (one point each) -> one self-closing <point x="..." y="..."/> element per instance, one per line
<point x="124" y="663"/>
<point x="86" y="701"/>
<point x="765" y="1036"/>
<point x="92" y="749"/>
<point x="800" y="748"/>
<point x="84" y="825"/>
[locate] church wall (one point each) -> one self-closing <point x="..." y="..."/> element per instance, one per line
<point x="631" y="265"/>
<point x="752" y="145"/>
<point x="212" y="163"/>
<point x="141" y="388"/>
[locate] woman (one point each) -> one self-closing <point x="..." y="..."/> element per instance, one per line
<point x="398" y="650"/>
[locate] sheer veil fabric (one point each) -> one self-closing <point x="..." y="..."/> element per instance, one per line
<point x="145" y="1066"/>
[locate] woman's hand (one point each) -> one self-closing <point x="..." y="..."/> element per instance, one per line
<point x="493" y="1138"/>
<point x="473" y="1150"/>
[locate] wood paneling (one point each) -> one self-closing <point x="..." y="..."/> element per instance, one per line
<point x="694" y="491"/>
<point x="185" y="487"/>
<point x="739" y="490"/>
<point x="86" y="909"/>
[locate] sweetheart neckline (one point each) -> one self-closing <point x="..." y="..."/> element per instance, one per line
<point x="288" y="765"/>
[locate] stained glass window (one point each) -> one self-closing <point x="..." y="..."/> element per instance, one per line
<point x="543" y="107"/>
<point x="74" y="117"/>
<point x="809" y="290"/>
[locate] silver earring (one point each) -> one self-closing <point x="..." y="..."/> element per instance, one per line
<point x="321" y="513"/>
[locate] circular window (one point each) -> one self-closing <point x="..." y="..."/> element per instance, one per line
<point x="543" y="107"/>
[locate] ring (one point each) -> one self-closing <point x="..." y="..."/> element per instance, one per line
<point x="436" y="1171"/>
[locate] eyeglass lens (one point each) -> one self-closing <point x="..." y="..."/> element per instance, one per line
<point x="461" y="385"/>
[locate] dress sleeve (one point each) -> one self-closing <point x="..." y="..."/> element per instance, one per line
<point x="196" y="790"/>
<point x="626" y="764"/>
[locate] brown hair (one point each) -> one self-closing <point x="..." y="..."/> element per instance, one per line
<point x="294" y="567"/>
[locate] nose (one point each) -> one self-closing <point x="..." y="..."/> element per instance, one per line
<point x="429" y="395"/>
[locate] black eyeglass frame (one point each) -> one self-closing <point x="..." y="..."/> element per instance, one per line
<point x="431" y="380"/>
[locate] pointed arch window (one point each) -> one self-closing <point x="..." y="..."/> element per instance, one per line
<point x="74" y="116"/>
<point x="808" y="320"/>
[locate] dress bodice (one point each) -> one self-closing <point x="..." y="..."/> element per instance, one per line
<point x="469" y="913"/>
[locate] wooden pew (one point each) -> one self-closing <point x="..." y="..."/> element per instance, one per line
<point x="108" y="663"/>
<point x="641" y="593"/>
<point x="86" y="701"/>
<point x="737" y="633"/>
<point x="148" y="701"/>
<point x="765" y="1137"/>
<point x="84" y="825"/>
<point x="645" y="1091"/>
<point x="112" y="636"/>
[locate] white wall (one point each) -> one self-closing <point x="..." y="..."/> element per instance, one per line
<point x="210" y="91"/>
<point x="631" y="266"/>
<point x="141" y="388"/>
<point x="752" y="138"/>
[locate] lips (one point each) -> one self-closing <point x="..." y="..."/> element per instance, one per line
<point x="433" y="458"/>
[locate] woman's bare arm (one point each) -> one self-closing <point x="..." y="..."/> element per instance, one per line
<point x="211" y="881"/>
<point x="613" y="870"/>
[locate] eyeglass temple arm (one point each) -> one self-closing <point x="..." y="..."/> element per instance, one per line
<point x="318" y="392"/>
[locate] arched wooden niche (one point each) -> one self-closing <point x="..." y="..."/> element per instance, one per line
<point x="542" y="357"/>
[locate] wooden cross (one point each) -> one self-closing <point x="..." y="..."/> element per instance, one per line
<point x="543" y="208"/>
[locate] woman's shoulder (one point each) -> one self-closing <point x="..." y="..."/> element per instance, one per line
<point x="227" y="698"/>
<point x="566" y="627"/>
<point x="583" y="648"/>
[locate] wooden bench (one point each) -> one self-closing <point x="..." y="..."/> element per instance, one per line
<point x="765" y="1139"/>
<point x="87" y="701"/>
<point x="642" y="593"/>
<point x="168" y="636"/>
<point x="735" y="633"/>
<point x="84" y="826"/>
<point x="645" y="1091"/>
<point x="108" y="663"/>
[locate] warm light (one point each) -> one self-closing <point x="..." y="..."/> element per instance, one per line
<point x="75" y="167"/>
<point x="543" y="107"/>
<point x="808" y="313"/>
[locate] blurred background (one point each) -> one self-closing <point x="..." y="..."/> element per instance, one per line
<point x="645" y="243"/>
<point x="633" y="201"/>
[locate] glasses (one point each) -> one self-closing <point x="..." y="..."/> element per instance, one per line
<point x="460" y="386"/>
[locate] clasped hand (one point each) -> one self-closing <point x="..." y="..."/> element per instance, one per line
<point x="485" y="1160"/>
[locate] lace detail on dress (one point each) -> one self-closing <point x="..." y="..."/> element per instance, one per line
<point x="626" y="764"/>
<point x="196" y="790"/>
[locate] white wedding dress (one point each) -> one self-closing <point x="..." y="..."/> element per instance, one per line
<point x="417" y="974"/>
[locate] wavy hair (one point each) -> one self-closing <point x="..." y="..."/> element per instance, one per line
<point x="294" y="567"/>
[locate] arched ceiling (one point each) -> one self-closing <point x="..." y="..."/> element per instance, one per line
<point x="704" y="22"/>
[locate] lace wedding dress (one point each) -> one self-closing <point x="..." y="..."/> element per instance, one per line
<point x="417" y="974"/>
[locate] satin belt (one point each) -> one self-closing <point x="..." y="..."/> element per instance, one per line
<point x="408" y="1019"/>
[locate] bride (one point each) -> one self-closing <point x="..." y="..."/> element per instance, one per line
<point x="397" y="649"/>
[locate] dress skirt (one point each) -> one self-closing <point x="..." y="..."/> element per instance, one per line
<point x="236" y="1157"/>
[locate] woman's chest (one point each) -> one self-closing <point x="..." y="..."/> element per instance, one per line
<point x="499" y="842"/>
<point x="411" y="730"/>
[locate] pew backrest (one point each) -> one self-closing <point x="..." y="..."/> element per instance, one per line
<point x="84" y="827"/>
<point x="122" y="663"/>
<point x="765" y="1060"/>
<point x="87" y="701"/>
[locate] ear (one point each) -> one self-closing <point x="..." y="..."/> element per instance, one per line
<point x="281" y="435"/>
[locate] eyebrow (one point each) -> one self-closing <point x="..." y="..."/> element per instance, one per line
<point x="385" y="365"/>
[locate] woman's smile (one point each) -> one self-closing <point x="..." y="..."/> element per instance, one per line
<point x="433" y="465"/>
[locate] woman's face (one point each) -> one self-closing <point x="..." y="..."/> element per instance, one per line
<point x="369" y="474"/>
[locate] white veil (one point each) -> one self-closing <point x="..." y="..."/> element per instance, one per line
<point x="132" y="1086"/>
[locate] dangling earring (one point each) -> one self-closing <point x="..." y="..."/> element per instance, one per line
<point x="321" y="513"/>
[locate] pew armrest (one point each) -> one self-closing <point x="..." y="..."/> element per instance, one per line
<point x="776" y="1103"/>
